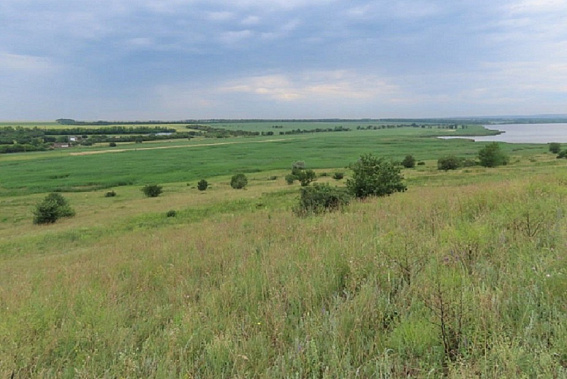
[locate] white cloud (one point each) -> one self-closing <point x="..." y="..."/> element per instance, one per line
<point x="338" y="84"/>
<point x="220" y="16"/>
<point x="25" y="64"/>
<point x="232" y="38"/>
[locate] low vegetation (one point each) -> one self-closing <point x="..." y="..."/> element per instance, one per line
<point x="491" y="156"/>
<point x="321" y="198"/>
<point x="239" y="181"/>
<point x="456" y="274"/>
<point x="202" y="185"/>
<point x="152" y="190"/>
<point x="53" y="207"/>
<point x="373" y="176"/>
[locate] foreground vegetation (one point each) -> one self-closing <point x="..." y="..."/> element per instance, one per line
<point x="462" y="275"/>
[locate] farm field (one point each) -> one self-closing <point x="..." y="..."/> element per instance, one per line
<point x="462" y="275"/>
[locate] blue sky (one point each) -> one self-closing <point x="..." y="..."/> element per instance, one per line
<point x="187" y="59"/>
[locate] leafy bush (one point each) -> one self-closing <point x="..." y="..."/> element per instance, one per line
<point x="492" y="156"/>
<point x="338" y="175"/>
<point x="110" y="194"/>
<point x="321" y="198"/>
<point x="374" y="176"/>
<point x="53" y="207"/>
<point x="290" y="178"/>
<point x="421" y="163"/>
<point x="450" y="162"/>
<point x="562" y="154"/>
<point x="202" y="185"/>
<point x="171" y="213"/>
<point x="306" y="176"/>
<point x="298" y="165"/>
<point x="555" y="147"/>
<point x="112" y="144"/>
<point x="152" y="190"/>
<point x="409" y="161"/>
<point x="238" y="181"/>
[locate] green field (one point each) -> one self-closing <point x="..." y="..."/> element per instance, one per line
<point x="463" y="275"/>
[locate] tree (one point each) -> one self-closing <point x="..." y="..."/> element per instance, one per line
<point x="492" y="156"/>
<point x="202" y="185"/>
<point x="555" y="147"/>
<point x="52" y="208"/>
<point x="374" y="176"/>
<point x="152" y="190"/>
<point x="409" y="161"/>
<point x="238" y="181"/>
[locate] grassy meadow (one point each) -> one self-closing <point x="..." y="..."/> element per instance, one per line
<point x="463" y="275"/>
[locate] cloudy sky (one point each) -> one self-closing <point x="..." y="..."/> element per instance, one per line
<point x="186" y="59"/>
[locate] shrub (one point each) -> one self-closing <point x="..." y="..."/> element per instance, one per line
<point x="53" y="207"/>
<point x="555" y="147"/>
<point x="238" y="181"/>
<point x="112" y="144"/>
<point x="562" y="154"/>
<point x="298" y="165"/>
<point x="110" y="194"/>
<point x="290" y="178"/>
<point x="305" y="177"/>
<point x="321" y="198"/>
<point x="374" y="176"/>
<point x="152" y="190"/>
<point x="338" y="175"/>
<point x="421" y="163"/>
<point x="202" y="185"/>
<point x="492" y="156"/>
<point x="450" y="162"/>
<point x="409" y="161"/>
<point x="171" y="213"/>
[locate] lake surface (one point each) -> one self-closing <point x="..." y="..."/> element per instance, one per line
<point x="525" y="133"/>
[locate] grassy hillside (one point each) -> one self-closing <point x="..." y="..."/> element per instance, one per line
<point x="463" y="275"/>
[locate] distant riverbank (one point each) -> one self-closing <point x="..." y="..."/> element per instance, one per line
<point x="524" y="133"/>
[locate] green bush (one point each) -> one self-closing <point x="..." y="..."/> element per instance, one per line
<point x="409" y="161"/>
<point x="562" y="154"/>
<point x="171" y="213"/>
<point x="110" y="194"/>
<point x="298" y="165"/>
<point x="374" y="176"/>
<point x="112" y="144"/>
<point x="338" y="175"/>
<point x="555" y="147"/>
<point x="290" y="178"/>
<point x="492" y="156"/>
<point x="53" y="207"/>
<point x="238" y="181"/>
<point x="321" y="198"/>
<point x="152" y="190"/>
<point x="450" y="162"/>
<point x="306" y="176"/>
<point x="202" y="185"/>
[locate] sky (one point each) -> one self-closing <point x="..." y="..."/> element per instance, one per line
<point x="202" y="59"/>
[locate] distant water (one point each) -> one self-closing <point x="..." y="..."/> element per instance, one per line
<point x="525" y="133"/>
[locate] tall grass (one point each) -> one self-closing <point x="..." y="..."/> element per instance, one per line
<point x="457" y="280"/>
